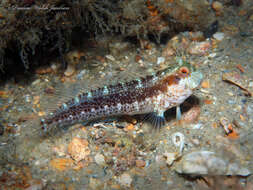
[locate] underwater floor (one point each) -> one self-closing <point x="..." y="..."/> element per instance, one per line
<point x="211" y="147"/>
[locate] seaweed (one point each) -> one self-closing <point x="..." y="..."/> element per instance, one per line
<point x="34" y="30"/>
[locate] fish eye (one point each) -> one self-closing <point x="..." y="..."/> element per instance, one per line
<point x="184" y="70"/>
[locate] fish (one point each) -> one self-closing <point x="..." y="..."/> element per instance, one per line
<point x="150" y="96"/>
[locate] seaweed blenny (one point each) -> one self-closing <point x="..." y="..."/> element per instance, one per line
<point x="151" y="95"/>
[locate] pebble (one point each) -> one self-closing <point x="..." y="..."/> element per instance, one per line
<point x="197" y="126"/>
<point x="219" y="36"/>
<point x="168" y="51"/>
<point x="61" y="164"/>
<point x="36" y="82"/>
<point x="170" y="157"/>
<point x="119" y="48"/>
<point x="95" y="183"/>
<point x="140" y="163"/>
<point x="100" y="159"/>
<point x="217" y="6"/>
<point x="35" y="185"/>
<point x="110" y="57"/>
<point x="78" y="149"/>
<point x="212" y="55"/>
<point x="69" y="71"/>
<point x="206" y="163"/>
<point x="199" y="48"/>
<point x="81" y="74"/>
<point x="125" y="180"/>
<point x="160" y="60"/>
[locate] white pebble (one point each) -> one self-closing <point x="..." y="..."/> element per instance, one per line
<point x="212" y="55"/>
<point x="170" y="157"/>
<point x="110" y="57"/>
<point x="125" y="180"/>
<point x="100" y="159"/>
<point x="69" y="71"/>
<point x="219" y="36"/>
<point x="197" y="126"/>
<point x="160" y="60"/>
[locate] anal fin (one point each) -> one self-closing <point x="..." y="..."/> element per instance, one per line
<point x="157" y="120"/>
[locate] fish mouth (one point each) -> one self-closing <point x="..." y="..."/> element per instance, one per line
<point x="195" y="79"/>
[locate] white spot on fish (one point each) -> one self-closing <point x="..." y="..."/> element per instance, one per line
<point x="64" y="106"/>
<point x="105" y="91"/>
<point x="136" y="105"/>
<point x="119" y="105"/>
<point x="139" y="83"/>
<point x="76" y="100"/>
<point x="89" y="95"/>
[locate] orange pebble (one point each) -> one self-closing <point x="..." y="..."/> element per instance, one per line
<point x="214" y="125"/>
<point x="207" y="101"/>
<point x="130" y="127"/>
<point x="240" y="68"/>
<point x="61" y="164"/>
<point x="233" y="134"/>
<point x="205" y="84"/>
<point x="140" y="163"/>
<point x="242" y="118"/>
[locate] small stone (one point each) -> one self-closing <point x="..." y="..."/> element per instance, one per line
<point x="217" y="6"/>
<point x="202" y="163"/>
<point x="69" y="71"/>
<point x="119" y="48"/>
<point x="140" y="163"/>
<point x="60" y="150"/>
<point x="95" y="183"/>
<point x="35" y="82"/>
<point x="219" y="36"/>
<point x="129" y="127"/>
<point x="43" y="70"/>
<point x="100" y="159"/>
<point x="251" y="84"/>
<point x="35" y="184"/>
<point x="205" y="84"/>
<point x="110" y="57"/>
<point x="125" y="180"/>
<point x="61" y="164"/>
<point x="197" y="126"/>
<point x="160" y="60"/>
<point x="168" y="51"/>
<point x="78" y="149"/>
<point x="170" y="157"/>
<point x="206" y="163"/>
<point x="212" y="55"/>
<point x="195" y="141"/>
<point x="199" y="48"/>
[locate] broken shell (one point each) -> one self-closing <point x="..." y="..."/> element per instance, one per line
<point x="208" y="163"/>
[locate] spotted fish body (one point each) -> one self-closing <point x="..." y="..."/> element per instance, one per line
<point x="151" y="95"/>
